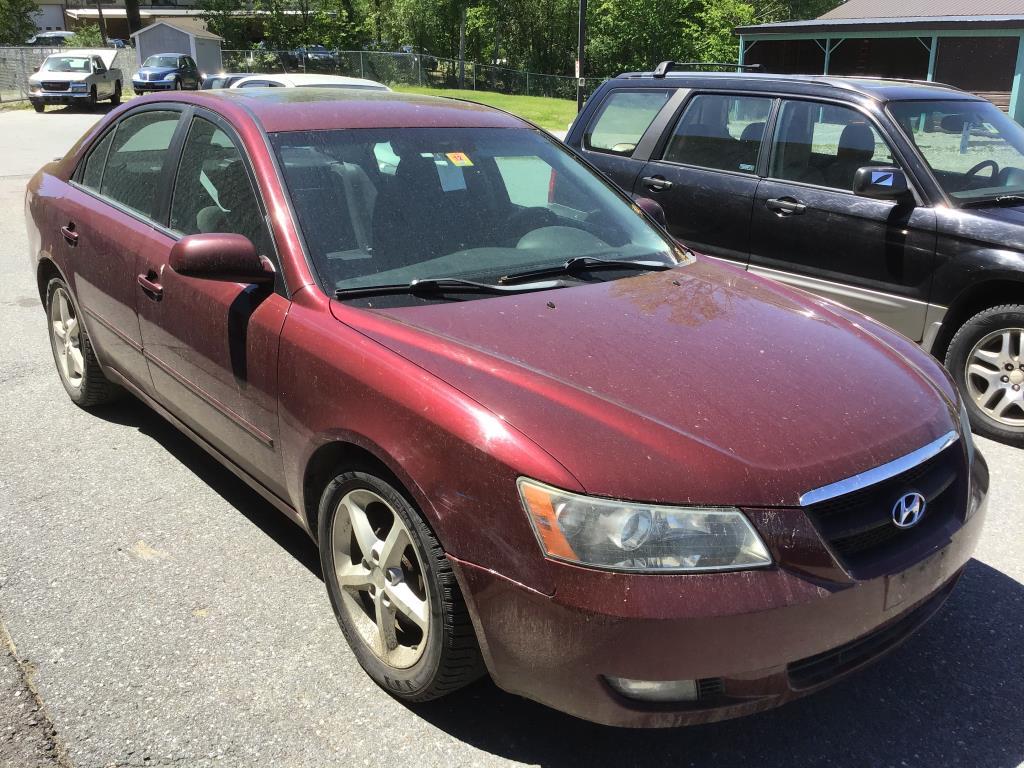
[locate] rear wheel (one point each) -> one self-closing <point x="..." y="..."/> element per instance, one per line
<point x="986" y="358"/>
<point x="77" y="365"/>
<point x="393" y="590"/>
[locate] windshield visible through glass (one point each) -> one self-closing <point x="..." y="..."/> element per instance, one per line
<point x="380" y="207"/>
<point x="975" y="151"/>
<point x="161" y="61"/>
<point x="67" y="64"/>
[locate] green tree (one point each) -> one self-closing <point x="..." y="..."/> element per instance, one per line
<point x="17" y="21"/>
<point x="86" y="36"/>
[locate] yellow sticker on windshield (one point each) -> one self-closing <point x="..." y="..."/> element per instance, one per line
<point x="460" y="159"/>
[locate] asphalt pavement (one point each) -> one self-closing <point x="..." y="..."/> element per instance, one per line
<point x="161" y="613"/>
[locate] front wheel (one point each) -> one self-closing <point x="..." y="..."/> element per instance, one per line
<point x="115" y="99"/>
<point x="38" y="106"/>
<point x="92" y="98"/>
<point x="986" y="358"/>
<point x="393" y="590"/>
<point x="177" y="84"/>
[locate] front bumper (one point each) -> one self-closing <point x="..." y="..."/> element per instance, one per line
<point x="752" y="639"/>
<point x="58" y="97"/>
<point x="140" y="86"/>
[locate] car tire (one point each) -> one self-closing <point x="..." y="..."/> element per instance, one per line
<point x="177" y="84"/>
<point x="414" y="661"/>
<point x="38" y="106"/>
<point x="76" y="362"/>
<point x="986" y="359"/>
<point x="92" y="98"/>
<point x="116" y="98"/>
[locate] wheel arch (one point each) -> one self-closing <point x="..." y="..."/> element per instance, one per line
<point x="976" y="298"/>
<point x="46" y="270"/>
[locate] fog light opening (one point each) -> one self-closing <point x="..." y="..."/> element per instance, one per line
<point x="655" y="690"/>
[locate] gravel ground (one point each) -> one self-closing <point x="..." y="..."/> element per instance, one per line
<point x="165" y="615"/>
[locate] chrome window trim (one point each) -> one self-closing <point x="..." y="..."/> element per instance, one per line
<point x="880" y="473"/>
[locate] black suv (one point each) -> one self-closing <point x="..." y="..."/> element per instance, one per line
<point x="904" y="200"/>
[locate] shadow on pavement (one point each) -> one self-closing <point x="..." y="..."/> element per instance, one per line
<point x="952" y="695"/>
<point x="133" y="413"/>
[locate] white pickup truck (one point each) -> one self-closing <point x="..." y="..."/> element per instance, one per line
<point x="76" y="76"/>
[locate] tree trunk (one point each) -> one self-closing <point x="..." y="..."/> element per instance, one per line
<point x="131" y="9"/>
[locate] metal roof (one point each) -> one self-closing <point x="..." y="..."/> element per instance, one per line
<point x="192" y="31"/>
<point x="894" y="23"/>
<point x="886" y="9"/>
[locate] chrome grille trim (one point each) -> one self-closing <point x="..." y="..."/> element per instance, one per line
<point x="879" y="473"/>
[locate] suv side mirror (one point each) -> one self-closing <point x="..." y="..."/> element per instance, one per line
<point x="227" y="257"/>
<point x="652" y="208"/>
<point x="881" y="183"/>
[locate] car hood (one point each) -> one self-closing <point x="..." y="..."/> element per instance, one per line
<point x="156" y="70"/>
<point x="60" y="77"/>
<point x="701" y="384"/>
<point x="1001" y="225"/>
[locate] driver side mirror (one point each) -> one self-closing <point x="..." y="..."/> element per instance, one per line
<point x="881" y="183"/>
<point x="653" y="209"/>
<point x="222" y="256"/>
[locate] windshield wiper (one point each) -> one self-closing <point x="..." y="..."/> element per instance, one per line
<point x="1000" y="200"/>
<point x="439" y="285"/>
<point x="579" y="263"/>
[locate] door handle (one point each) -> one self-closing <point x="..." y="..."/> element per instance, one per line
<point x="785" y="206"/>
<point x="656" y="183"/>
<point x="150" y="287"/>
<point x="70" y="236"/>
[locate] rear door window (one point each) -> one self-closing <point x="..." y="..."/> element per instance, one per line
<point x="720" y="132"/>
<point x="92" y="173"/>
<point x="135" y="163"/>
<point x="622" y="119"/>
<point x="824" y="145"/>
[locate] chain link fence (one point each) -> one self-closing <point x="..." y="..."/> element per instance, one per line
<point x="405" y="69"/>
<point x="18" y="63"/>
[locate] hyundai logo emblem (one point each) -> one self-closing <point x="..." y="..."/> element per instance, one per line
<point x="908" y="511"/>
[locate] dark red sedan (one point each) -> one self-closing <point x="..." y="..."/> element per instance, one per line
<point x="530" y="433"/>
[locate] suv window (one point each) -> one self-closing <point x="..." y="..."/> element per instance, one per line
<point x="825" y="144"/>
<point x="720" y="132"/>
<point x="622" y="120"/>
<point x="92" y="172"/>
<point x="135" y="163"/>
<point x="212" y="191"/>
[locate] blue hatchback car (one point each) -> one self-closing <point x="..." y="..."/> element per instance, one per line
<point x="167" y="72"/>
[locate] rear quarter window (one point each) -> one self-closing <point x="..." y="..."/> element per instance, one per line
<point x="622" y="119"/>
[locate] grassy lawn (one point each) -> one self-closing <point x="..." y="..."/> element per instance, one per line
<point x="553" y="114"/>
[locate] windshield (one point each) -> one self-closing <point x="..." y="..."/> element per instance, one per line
<point x="975" y="151"/>
<point x="67" y="64"/>
<point x="386" y="206"/>
<point x="161" y="61"/>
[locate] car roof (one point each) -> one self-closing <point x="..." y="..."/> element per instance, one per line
<point x="168" y="53"/>
<point x="877" y="89"/>
<point x="300" y="78"/>
<point x="311" y="109"/>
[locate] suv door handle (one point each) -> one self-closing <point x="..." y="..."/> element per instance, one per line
<point x="785" y="206"/>
<point x="656" y="183"/>
<point x="70" y="236"/>
<point x="150" y="287"/>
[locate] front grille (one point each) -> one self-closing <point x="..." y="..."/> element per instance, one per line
<point x="55" y="85"/>
<point x="859" y="528"/>
<point x="822" y="667"/>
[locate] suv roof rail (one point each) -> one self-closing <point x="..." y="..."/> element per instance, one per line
<point x="666" y="66"/>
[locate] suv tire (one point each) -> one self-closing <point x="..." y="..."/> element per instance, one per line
<point x="413" y="663"/>
<point x="986" y="359"/>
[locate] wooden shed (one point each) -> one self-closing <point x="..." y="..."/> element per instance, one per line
<point x="164" y="37"/>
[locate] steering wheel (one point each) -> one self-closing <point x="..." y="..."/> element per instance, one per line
<point x="529" y="219"/>
<point x="982" y="165"/>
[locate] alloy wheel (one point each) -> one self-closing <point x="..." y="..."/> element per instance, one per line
<point x="995" y="376"/>
<point x="66" y="338"/>
<point x="383" y="588"/>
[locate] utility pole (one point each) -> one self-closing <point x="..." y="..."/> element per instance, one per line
<point x="580" y="62"/>
<point x="462" y="49"/>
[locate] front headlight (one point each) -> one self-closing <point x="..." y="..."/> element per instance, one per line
<point x="965" y="432"/>
<point x="170" y="76"/>
<point x="79" y="86"/>
<point x="630" y="536"/>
